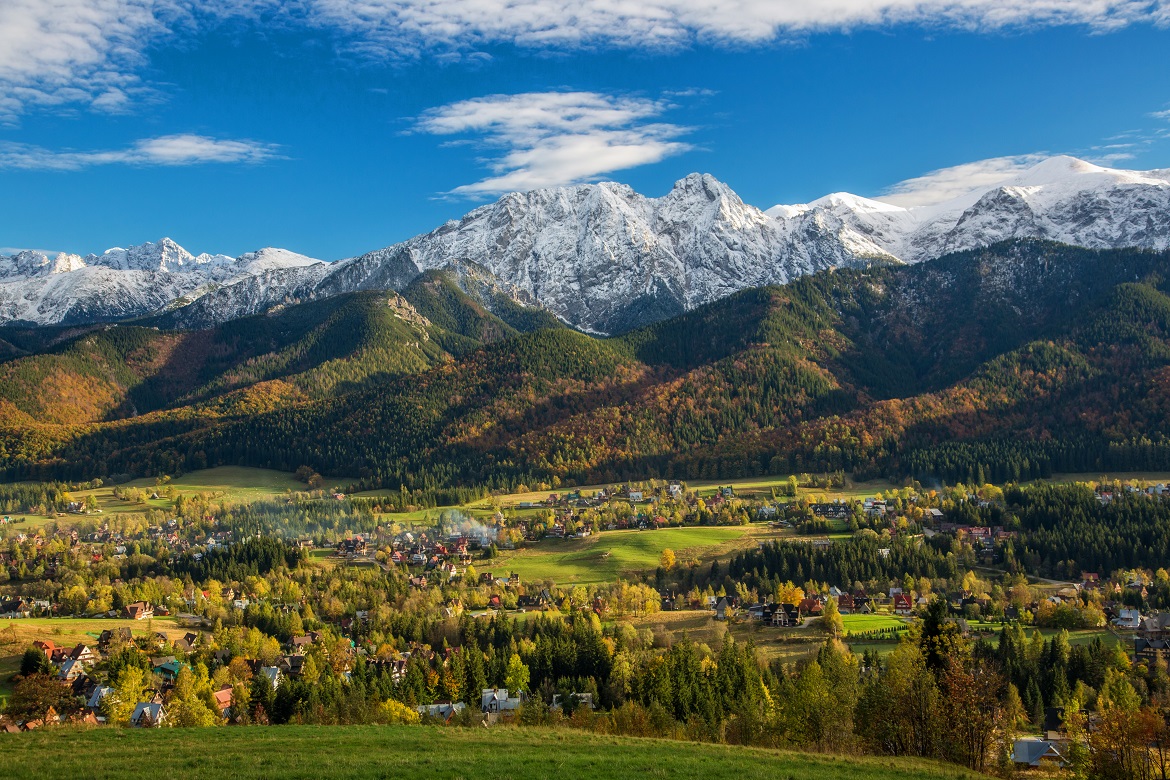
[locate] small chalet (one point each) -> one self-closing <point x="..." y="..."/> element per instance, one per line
<point x="148" y="715"/>
<point x="1037" y="753"/>
<point x="139" y="610"/>
<point x="223" y="702"/>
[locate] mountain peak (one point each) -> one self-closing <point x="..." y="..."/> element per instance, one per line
<point x="704" y="183"/>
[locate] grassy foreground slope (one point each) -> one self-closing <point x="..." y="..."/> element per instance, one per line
<point x="321" y="753"/>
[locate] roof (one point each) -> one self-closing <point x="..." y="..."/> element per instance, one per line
<point x="98" y="694"/>
<point x="1035" y="752"/>
<point x="147" y="709"/>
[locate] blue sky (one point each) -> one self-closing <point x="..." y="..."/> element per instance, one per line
<point x="338" y="127"/>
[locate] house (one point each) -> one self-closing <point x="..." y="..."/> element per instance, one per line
<point x="1156" y="626"/>
<point x="70" y="671"/>
<point x="903" y="606"/>
<point x="845" y="604"/>
<point x="785" y="616"/>
<point x="721" y="609"/>
<point x="576" y="699"/>
<point x="95" y="699"/>
<point x="1037" y="753"/>
<point x="46" y="646"/>
<point x="223" y="702"/>
<point x="170" y="670"/>
<point x="139" y="610"/>
<point x="810" y="606"/>
<point x="84" y="654"/>
<point x="273" y="674"/>
<point x="121" y="635"/>
<point x="496" y="700"/>
<point x="148" y="715"/>
<point x="184" y="645"/>
<point x="1149" y="650"/>
<point x="442" y="711"/>
<point x="1128" y="618"/>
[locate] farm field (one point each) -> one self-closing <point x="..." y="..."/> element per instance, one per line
<point x="606" y="556"/>
<point x="324" y="753"/>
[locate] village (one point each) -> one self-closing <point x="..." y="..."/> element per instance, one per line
<point x="202" y="635"/>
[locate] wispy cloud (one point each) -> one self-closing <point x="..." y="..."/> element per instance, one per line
<point x="555" y="138"/>
<point x="1161" y="114"/>
<point x="959" y="180"/>
<point x="675" y="22"/>
<point x="8" y="251"/>
<point x="184" y="149"/>
<point x="92" y="52"/>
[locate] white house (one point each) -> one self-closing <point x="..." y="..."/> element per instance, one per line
<point x="497" y="700"/>
<point x="1128" y="618"/>
<point x="148" y="714"/>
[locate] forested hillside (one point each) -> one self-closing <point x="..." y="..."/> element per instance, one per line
<point x="1003" y="363"/>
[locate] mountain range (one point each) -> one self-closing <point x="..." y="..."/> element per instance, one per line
<point x="599" y="257"/>
<point x="1006" y="362"/>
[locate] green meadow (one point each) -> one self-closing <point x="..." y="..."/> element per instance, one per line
<point x="421" y="753"/>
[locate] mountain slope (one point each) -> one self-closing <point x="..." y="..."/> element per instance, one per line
<point x="1017" y="359"/>
<point x="315" y="350"/>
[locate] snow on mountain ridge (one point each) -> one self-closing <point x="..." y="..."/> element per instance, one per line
<point x="1060" y="198"/>
<point x="122" y="282"/>
<point x="602" y="257"/>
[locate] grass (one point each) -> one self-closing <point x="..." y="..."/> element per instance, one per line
<point x="862" y="623"/>
<point x="324" y="753"/>
<point x="609" y="555"/>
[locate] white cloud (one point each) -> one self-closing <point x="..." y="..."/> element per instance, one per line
<point x="183" y="149"/>
<point x="91" y="52"/>
<point x="556" y="138"/>
<point x="1161" y="114"/>
<point x="12" y="250"/>
<point x="55" y="52"/>
<point x="950" y="183"/>
<point x="398" y="23"/>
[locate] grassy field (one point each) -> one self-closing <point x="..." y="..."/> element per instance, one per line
<point x="860" y="623"/>
<point x="230" y="484"/>
<point x="606" y="556"/>
<point x="323" y="753"/>
<point x="17" y="635"/>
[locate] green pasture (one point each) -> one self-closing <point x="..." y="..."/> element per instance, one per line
<point x="607" y="556"/>
<point x="418" y="752"/>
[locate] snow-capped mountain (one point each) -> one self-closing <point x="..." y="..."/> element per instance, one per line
<point x="1060" y="199"/>
<point x="122" y="283"/>
<point x="603" y="258"/>
<point x="600" y="256"/>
